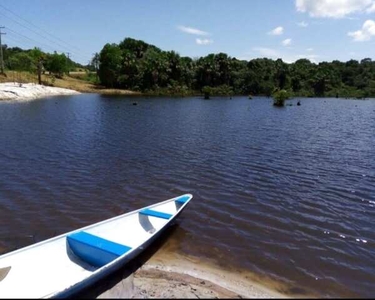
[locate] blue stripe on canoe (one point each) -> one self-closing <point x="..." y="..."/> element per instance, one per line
<point x="154" y="213"/>
<point x="183" y="199"/>
<point x="95" y="250"/>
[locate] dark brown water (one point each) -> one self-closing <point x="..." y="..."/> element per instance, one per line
<point x="287" y="193"/>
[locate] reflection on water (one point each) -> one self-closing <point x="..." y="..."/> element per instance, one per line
<point x="284" y="193"/>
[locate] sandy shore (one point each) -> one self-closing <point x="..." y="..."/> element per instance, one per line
<point x="171" y="275"/>
<point x="183" y="278"/>
<point x="30" y="91"/>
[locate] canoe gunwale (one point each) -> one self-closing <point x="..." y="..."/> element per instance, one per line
<point x="94" y="225"/>
<point x="117" y="263"/>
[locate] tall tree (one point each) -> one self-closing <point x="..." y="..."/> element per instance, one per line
<point x="110" y="65"/>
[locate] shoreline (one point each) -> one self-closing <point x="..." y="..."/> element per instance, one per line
<point x="30" y="91"/>
<point x="163" y="271"/>
<point x="20" y="91"/>
<point x="181" y="278"/>
<point x="166" y="274"/>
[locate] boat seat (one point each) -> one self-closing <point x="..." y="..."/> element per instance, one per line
<point x="183" y="199"/>
<point x="93" y="249"/>
<point x="154" y="213"/>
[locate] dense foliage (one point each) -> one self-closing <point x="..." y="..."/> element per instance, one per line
<point x="136" y="65"/>
<point x="17" y="59"/>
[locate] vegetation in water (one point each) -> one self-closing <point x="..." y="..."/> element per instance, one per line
<point x="206" y="92"/>
<point x="279" y="97"/>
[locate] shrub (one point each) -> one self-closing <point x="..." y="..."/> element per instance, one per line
<point x="279" y="97"/>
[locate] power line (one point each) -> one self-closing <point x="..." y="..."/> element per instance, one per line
<point x="24" y="36"/>
<point x="19" y="42"/>
<point x="55" y="37"/>
<point x="22" y="25"/>
<point x="29" y="40"/>
<point x="34" y="41"/>
<point x="15" y="21"/>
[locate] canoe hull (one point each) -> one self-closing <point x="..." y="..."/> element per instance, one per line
<point x="71" y="292"/>
<point x="55" y="268"/>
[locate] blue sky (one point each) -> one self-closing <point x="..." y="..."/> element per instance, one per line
<point x="320" y="30"/>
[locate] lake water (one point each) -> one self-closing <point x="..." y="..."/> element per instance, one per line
<point x="286" y="193"/>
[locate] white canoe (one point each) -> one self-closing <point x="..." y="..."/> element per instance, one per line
<point x="62" y="266"/>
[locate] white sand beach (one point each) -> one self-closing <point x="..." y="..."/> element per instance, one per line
<point x="30" y="91"/>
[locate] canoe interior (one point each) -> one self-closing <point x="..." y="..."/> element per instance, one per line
<point x="63" y="263"/>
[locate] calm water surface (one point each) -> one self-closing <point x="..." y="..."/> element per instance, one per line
<point x="287" y="193"/>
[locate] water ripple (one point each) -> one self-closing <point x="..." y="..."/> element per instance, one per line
<point x="289" y="191"/>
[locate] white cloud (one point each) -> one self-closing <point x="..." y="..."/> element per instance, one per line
<point x="334" y="8"/>
<point x="371" y="9"/>
<point x="303" y="24"/>
<point x="364" y="34"/>
<point x="277" y="31"/>
<point x="286" y="42"/>
<point x="309" y="49"/>
<point x="203" y="41"/>
<point x="191" y="30"/>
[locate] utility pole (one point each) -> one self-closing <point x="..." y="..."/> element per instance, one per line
<point x="95" y="63"/>
<point x="39" y="71"/>
<point x="68" y="61"/>
<point x="1" y="52"/>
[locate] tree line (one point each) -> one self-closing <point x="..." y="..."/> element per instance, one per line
<point x="139" y="66"/>
<point x="135" y="65"/>
<point x="17" y="59"/>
